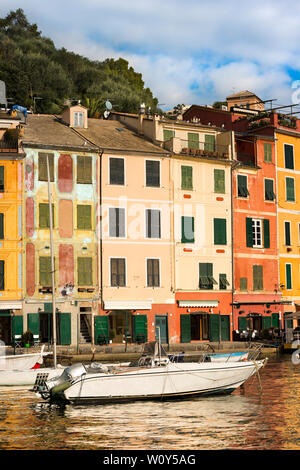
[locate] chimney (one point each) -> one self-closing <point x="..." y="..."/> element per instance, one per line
<point x="142" y="111"/>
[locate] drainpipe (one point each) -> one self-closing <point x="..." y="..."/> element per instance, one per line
<point x="100" y="244"/>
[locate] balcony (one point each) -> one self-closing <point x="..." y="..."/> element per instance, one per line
<point x="8" y="146"/>
<point x="198" y="149"/>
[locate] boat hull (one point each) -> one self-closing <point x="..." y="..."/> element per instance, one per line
<point x="169" y="382"/>
<point x="11" y="378"/>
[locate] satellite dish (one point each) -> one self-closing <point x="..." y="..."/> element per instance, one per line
<point x="106" y="114"/>
<point x="108" y="105"/>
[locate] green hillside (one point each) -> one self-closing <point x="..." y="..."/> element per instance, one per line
<point x="31" y="66"/>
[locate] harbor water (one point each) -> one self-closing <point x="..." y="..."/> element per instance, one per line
<point x="249" y="419"/>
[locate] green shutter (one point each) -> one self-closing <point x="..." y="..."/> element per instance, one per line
<point x="242" y="186"/>
<point x="249" y="235"/>
<point x="2" y="186"/>
<point x="266" y="225"/>
<point x="45" y="271"/>
<point x="257" y="277"/>
<point x="214" y="327"/>
<point x="33" y="323"/>
<point x="209" y="144"/>
<point x="290" y="189"/>
<point x="186" y="177"/>
<point x="84" y="217"/>
<point x="85" y="271"/>
<point x="65" y="328"/>
<point x="287" y="232"/>
<point x="101" y="328"/>
<point x="44" y="220"/>
<point x="43" y="172"/>
<point x="220" y="237"/>
<point x="275" y="320"/>
<point x="266" y="322"/>
<point x="18" y="324"/>
<point x="140" y="327"/>
<point x="223" y="283"/>
<point x="219" y="181"/>
<point x="168" y="134"/>
<point x="289" y="156"/>
<point x="288" y="276"/>
<point x="267" y="152"/>
<point x="185" y="328"/>
<point x="225" y="327"/>
<point x="269" y="190"/>
<point x="242" y="322"/>
<point x="84" y="170"/>
<point x="187" y="230"/>
<point x="193" y="140"/>
<point x="1" y="226"/>
<point x="2" y="274"/>
<point x="116" y="171"/>
<point x="243" y="283"/>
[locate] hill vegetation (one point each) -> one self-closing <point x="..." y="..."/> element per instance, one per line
<point x="33" y="68"/>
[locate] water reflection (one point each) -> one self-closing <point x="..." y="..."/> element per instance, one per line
<point x="247" y="419"/>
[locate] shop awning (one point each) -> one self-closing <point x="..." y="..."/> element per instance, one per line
<point x="198" y="303"/>
<point x="127" y="305"/>
<point x="10" y="305"/>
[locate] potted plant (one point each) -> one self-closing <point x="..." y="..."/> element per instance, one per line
<point x="27" y="338"/>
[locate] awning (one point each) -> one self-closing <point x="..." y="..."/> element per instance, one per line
<point x="10" y="305"/>
<point x="127" y="305"/>
<point x="198" y="303"/>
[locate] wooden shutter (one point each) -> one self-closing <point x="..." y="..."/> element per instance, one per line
<point x="193" y="140"/>
<point x="267" y="152"/>
<point x="153" y="223"/>
<point x="140" y="327"/>
<point x="266" y="322"/>
<point x="225" y="327"/>
<point x="33" y="323"/>
<point x="152" y="173"/>
<point x="257" y="277"/>
<point x="220" y="237"/>
<point x="44" y="220"/>
<point x="186" y="177"/>
<point x="219" y="181"/>
<point x="116" y="222"/>
<point x="1" y="226"/>
<point x="116" y="171"/>
<point x="269" y="190"/>
<point x="287" y="231"/>
<point x="45" y="271"/>
<point x="2" y="185"/>
<point x="275" y="320"/>
<point x="206" y="279"/>
<point x="84" y="170"/>
<point x="84" y="217"/>
<point x="168" y="134"/>
<point x="249" y="234"/>
<point x="117" y="272"/>
<point x="288" y="276"/>
<point x="242" y="324"/>
<point x="185" y="328"/>
<point x="2" y="275"/>
<point x="289" y="156"/>
<point x="209" y="144"/>
<point x="187" y="230"/>
<point x="65" y="328"/>
<point x="101" y="328"/>
<point x="85" y="271"/>
<point x="266" y="228"/>
<point x="290" y="189"/>
<point x="18" y="324"/>
<point x="153" y="273"/>
<point x="242" y="186"/>
<point x="43" y="174"/>
<point x="243" y="283"/>
<point x="223" y="283"/>
<point x="214" y="327"/>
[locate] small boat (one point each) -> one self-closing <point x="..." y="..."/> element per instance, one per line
<point x="23" y="361"/>
<point x="154" y="376"/>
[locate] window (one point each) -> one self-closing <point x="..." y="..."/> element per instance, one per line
<point x="117" y="272"/>
<point x="43" y="172"/>
<point x="223" y="283"/>
<point x="257" y="277"/>
<point x="287" y="233"/>
<point x="153" y="173"/>
<point x="153" y="223"/>
<point x="290" y="189"/>
<point x="242" y="186"/>
<point x="186" y="177"/>
<point x="193" y="140"/>
<point x="85" y="271"/>
<point x="243" y="283"/>
<point x="168" y="134"/>
<point x="84" y="217"/>
<point x="1" y="226"/>
<point x="84" y="170"/>
<point x="78" y="119"/>
<point x="116" y="171"/>
<point x="206" y="280"/>
<point x="219" y="181"/>
<point x="267" y="152"/>
<point x="45" y="271"/>
<point x="116" y="222"/>
<point x="153" y="273"/>
<point x="288" y="276"/>
<point x="269" y="190"/>
<point x="257" y="233"/>
<point x="289" y="156"/>
<point x="187" y="230"/>
<point x="209" y="143"/>
<point x="1" y="179"/>
<point x="2" y="275"/>
<point x="220" y="232"/>
<point x="44" y="219"/>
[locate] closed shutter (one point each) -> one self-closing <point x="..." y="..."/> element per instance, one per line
<point x="168" y="134"/>
<point x="290" y="189"/>
<point x="44" y="220"/>
<point x="153" y="273"/>
<point x="33" y="323"/>
<point x="275" y="320"/>
<point x="1" y="226"/>
<point x="84" y="217"/>
<point x="257" y="277"/>
<point x="242" y="323"/>
<point x="287" y="231"/>
<point x="209" y="144"/>
<point x="101" y="328"/>
<point x="45" y="271"/>
<point x="186" y="177"/>
<point x="84" y="170"/>
<point x="2" y="186"/>
<point x="116" y="171"/>
<point x="289" y="156"/>
<point x="249" y="235"/>
<point x="243" y="283"/>
<point x="152" y="173"/>
<point x="225" y="327"/>
<point x="266" y="322"/>
<point x="219" y="181"/>
<point x="269" y="190"/>
<point x="18" y="324"/>
<point x="267" y="152"/>
<point x="117" y="272"/>
<point x="214" y="327"/>
<point x="220" y="237"/>
<point x="266" y="225"/>
<point x="185" y="328"/>
<point x="187" y="230"/>
<point x="288" y="276"/>
<point x="43" y="172"/>
<point x="85" y="271"/>
<point x="2" y="275"/>
<point x="193" y="140"/>
<point x="65" y="328"/>
<point x="140" y="327"/>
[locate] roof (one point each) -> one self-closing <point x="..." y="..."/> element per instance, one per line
<point x="48" y="130"/>
<point x="114" y="135"/>
<point x="242" y="94"/>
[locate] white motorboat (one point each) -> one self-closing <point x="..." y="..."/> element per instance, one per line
<point x="23" y="361"/>
<point x="153" y="377"/>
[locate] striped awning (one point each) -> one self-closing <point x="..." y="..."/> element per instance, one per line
<point x="198" y="303"/>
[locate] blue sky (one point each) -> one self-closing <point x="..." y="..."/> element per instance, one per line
<point x="191" y="51"/>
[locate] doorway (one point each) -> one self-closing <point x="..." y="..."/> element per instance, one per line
<point x="120" y="324"/>
<point x="161" y="327"/>
<point x="199" y="326"/>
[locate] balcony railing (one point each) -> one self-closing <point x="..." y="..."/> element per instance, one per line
<point x="203" y="149"/>
<point x="9" y="146"/>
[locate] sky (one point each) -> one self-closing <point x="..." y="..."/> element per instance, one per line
<point x="188" y="51"/>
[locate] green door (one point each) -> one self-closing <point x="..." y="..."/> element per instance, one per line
<point x="18" y="325"/>
<point x="140" y="328"/>
<point x="266" y="322"/>
<point x="33" y="323"/>
<point x="161" y="326"/>
<point x="101" y="329"/>
<point x="225" y="327"/>
<point x="275" y="320"/>
<point x="185" y="328"/>
<point x="65" y="328"/>
<point x="214" y="327"/>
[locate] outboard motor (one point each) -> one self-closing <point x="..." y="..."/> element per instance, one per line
<point x="57" y="385"/>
